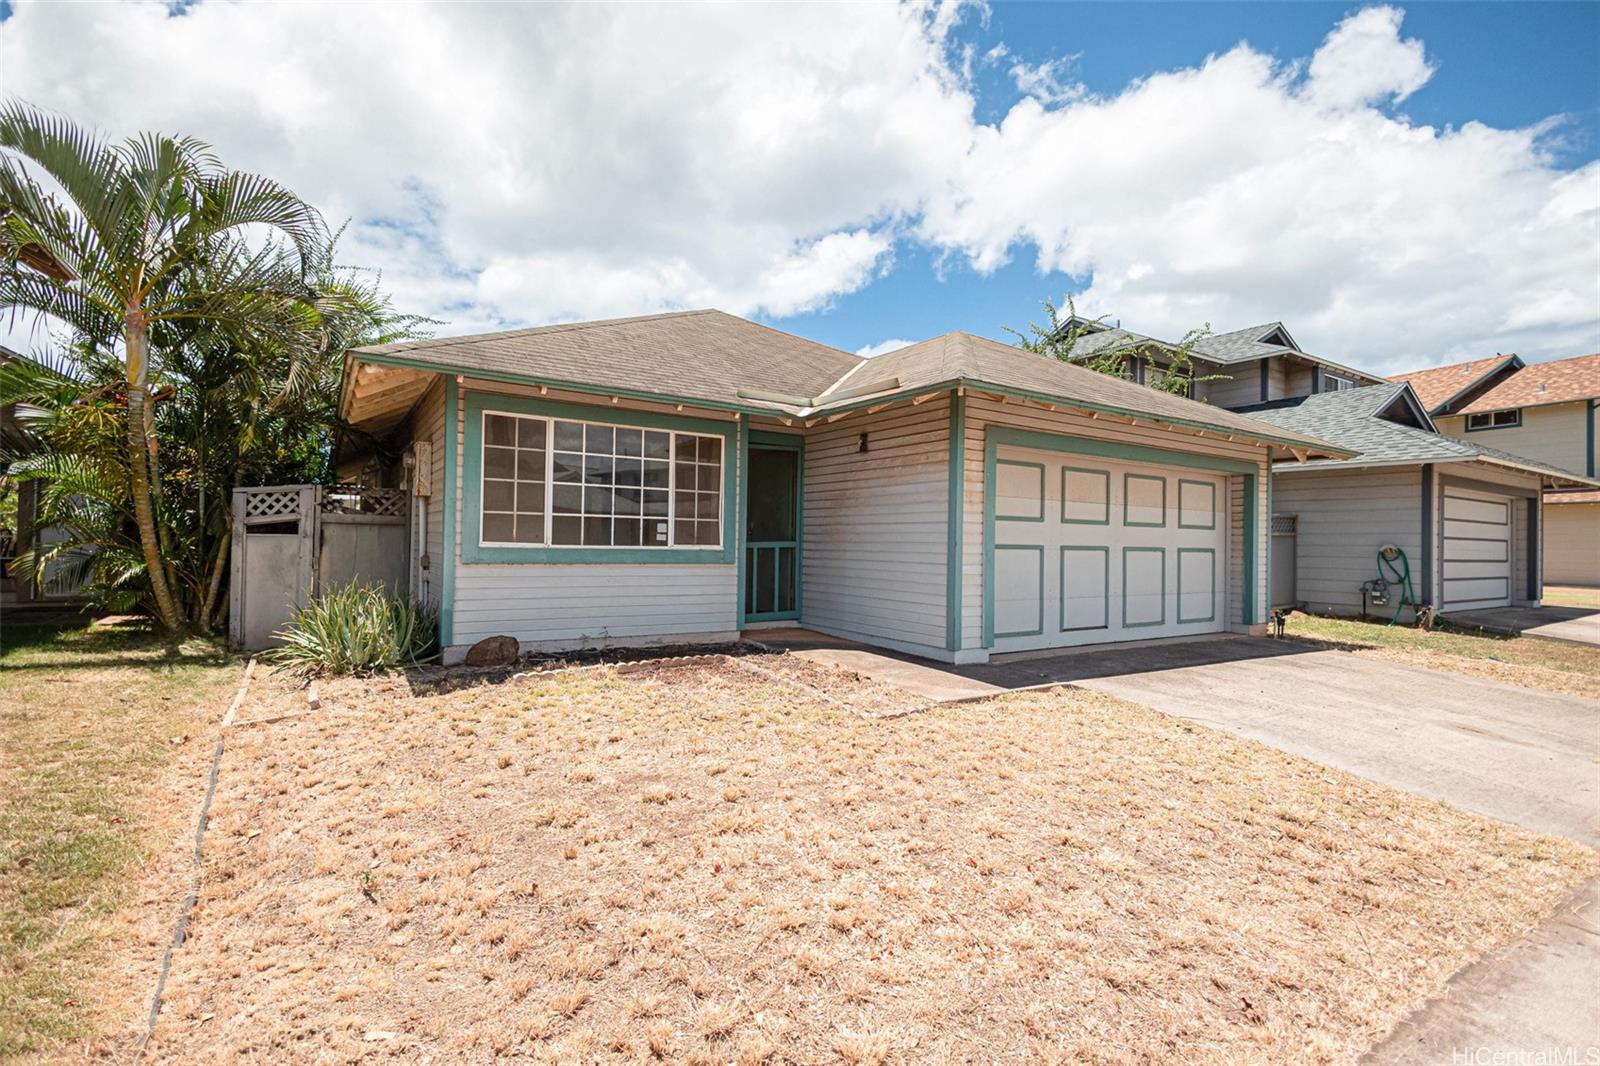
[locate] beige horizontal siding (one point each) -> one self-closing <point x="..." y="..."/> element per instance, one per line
<point x="1343" y="518"/>
<point x="874" y="557"/>
<point x="1557" y="435"/>
<point x="1572" y="544"/>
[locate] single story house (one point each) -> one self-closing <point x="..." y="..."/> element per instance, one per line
<point x="689" y="476"/>
<point x="1467" y="517"/>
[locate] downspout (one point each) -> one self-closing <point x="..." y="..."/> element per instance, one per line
<point x="1589" y="435"/>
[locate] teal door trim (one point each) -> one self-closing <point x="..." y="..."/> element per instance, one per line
<point x="955" y="519"/>
<point x="763" y="440"/>
<point x="1001" y="436"/>
<point x="447" y="583"/>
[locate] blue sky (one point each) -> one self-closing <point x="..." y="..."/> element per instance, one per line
<point x="1404" y="186"/>
<point x="1505" y="64"/>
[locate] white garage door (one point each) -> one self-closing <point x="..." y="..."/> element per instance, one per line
<point x="1088" y="551"/>
<point x="1477" y="550"/>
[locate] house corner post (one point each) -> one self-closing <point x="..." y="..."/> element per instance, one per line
<point x="452" y="446"/>
<point x="955" y="506"/>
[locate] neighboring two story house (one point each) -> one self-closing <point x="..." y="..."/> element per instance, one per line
<point x="1541" y="411"/>
<point x="1468" y="517"/>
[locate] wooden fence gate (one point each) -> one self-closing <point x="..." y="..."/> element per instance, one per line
<point x="292" y="542"/>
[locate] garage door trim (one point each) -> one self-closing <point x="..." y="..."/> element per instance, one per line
<point x="1003" y="436"/>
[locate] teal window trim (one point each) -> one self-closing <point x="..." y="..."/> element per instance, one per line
<point x="1004" y="436"/>
<point x="447" y="583"/>
<point x="765" y="438"/>
<point x="472" y="438"/>
<point x="1105" y="602"/>
<point x="1467" y="426"/>
<point x="955" y="520"/>
<point x="1212" y="552"/>
<point x="788" y="442"/>
<point x="740" y="544"/>
<point x="1105" y="518"/>
<point x="1588" y="433"/>
<point x="1143" y="550"/>
<point x="1127" y="507"/>
<point x="1038" y="630"/>
<point x="1209" y="486"/>
<point x="1032" y="466"/>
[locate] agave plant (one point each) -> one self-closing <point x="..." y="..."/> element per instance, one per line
<point x="357" y="629"/>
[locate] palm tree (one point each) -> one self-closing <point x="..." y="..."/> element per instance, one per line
<point x="150" y="237"/>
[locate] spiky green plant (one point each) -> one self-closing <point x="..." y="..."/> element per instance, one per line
<point x="357" y="629"/>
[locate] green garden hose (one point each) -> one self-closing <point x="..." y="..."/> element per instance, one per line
<point x="1394" y="568"/>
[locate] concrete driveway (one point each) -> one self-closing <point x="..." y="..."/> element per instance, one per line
<point x="1576" y="625"/>
<point x="1523" y="756"/>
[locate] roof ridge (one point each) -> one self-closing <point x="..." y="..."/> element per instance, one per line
<point x="551" y="327"/>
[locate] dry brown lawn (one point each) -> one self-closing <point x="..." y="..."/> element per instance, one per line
<point x="711" y="863"/>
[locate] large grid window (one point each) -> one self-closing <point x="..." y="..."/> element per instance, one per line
<point x="605" y="485"/>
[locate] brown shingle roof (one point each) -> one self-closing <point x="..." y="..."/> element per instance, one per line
<point x="1438" y="386"/>
<point x="718" y="359"/>
<point x="1558" y="381"/>
<point x="706" y="356"/>
<point x="979" y="361"/>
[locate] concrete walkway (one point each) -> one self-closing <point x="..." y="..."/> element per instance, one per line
<point x="1576" y="625"/>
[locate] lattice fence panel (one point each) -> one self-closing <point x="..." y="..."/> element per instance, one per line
<point x="275" y="503"/>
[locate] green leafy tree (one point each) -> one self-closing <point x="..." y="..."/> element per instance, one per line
<point x="204" y="325"/>
<point x="1059" y="336"/>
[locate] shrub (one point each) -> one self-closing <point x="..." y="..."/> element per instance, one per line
<point x="357" y="629"/>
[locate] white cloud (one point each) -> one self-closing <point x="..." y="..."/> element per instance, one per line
<point x="1364" y="61"/>
<point x="508" y="164"/>
<point x="1238" y="192"/>
<point x="526" y="163"/>
<point x="884" y="347"/>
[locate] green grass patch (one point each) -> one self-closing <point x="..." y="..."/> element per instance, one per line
<point x="88" y="719"/>
<point x="1448" y="640"/>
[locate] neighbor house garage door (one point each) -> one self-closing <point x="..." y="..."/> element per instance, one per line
<point x="1087" y="551"/>
<point x="1477" y="549"/>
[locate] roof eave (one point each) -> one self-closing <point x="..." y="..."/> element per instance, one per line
<point x="1444" y="408"/>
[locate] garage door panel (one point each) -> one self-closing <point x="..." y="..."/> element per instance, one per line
<point x="1476" y="590"/>
<point x="1197" y="585"/>
<point x="1458" y="530"/>
<point x="1020" y="487"/>
<point x="1144" y="500"/>
<point x="1018" y="590"/>
<point x="1085" y="587"/>
<point x="1463" y="549"/>
<point x="1472" y="509"/>
<point x="1197" y="504"/>
<point x="1144" y="587"/>
<point x="1085" y="496"/>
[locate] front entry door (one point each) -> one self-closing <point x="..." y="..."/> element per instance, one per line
<point x="772" y="535"/>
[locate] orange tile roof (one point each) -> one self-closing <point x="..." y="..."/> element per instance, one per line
<point x="1434" y="387"/>
<point x="1558" y="381"/>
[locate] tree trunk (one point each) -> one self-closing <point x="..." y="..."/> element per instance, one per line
<point x="135" y="336"/>
<point x="217" y="569"/>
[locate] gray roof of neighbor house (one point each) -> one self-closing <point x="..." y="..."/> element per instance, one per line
<point x="1353" y="418"/>
<point x="720" y="360"/>
<point x="1224" y="349"/>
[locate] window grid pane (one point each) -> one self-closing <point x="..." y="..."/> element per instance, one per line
<point x="604" y="485"/>
<point x="513" y="503"/>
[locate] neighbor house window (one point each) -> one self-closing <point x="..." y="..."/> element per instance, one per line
<point x="552" y="481"/>
<point x="1335" y="383"/>
<point x="1495" y="419"/>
